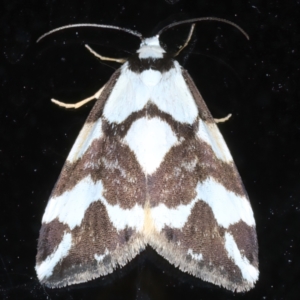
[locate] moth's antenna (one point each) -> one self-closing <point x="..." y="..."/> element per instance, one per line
<point x="204" y="19"/>
<point x="91" y="25"/>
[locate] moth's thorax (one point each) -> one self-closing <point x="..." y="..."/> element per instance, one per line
<point x="150" y="48"/>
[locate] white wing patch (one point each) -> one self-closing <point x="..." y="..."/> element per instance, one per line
<point x="249" y="272"/>
<point x="70" y="207"/>
<point x="173" y="217"/>
<point x="122" y="218"/>
<point x="228" y="208"/>
<point x="129" y="95"/>
<point x="212" y="136"/>
<point x="45" y="269"/>
<point x="173" y="96"/>
<point x="195" y="256"/>
<point x="167" y="91"/>
<point x="150" y="140"/>
<point x="217" y="197"/>
<point x="89" y="133"/>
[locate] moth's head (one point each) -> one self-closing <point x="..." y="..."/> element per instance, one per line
<point x="150" y="48"/>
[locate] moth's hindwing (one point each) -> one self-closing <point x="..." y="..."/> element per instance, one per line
<point x="149" y="167"/>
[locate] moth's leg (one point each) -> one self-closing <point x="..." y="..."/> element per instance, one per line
<point x="187" y="40"/>
<point x="119" y="60"/>
<point x="80" y="103"/>
<point x="221" y="120"/>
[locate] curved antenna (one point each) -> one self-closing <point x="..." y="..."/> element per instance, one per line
<point x="204" y="19"/>
<point x="91" y="25"/>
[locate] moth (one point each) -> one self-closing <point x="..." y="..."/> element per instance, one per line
<point x="149" y="167"/>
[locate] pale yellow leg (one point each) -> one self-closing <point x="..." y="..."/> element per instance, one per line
<point x="80" y="103"/>
<point x="119" y="60"/>
<point x="187" y="40"/>
<point x="221" y="120"/>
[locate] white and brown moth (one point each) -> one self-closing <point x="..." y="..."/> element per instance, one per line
<point x="149" y="167"/>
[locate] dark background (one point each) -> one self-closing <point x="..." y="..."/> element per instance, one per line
<point x="257" y="81"/>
